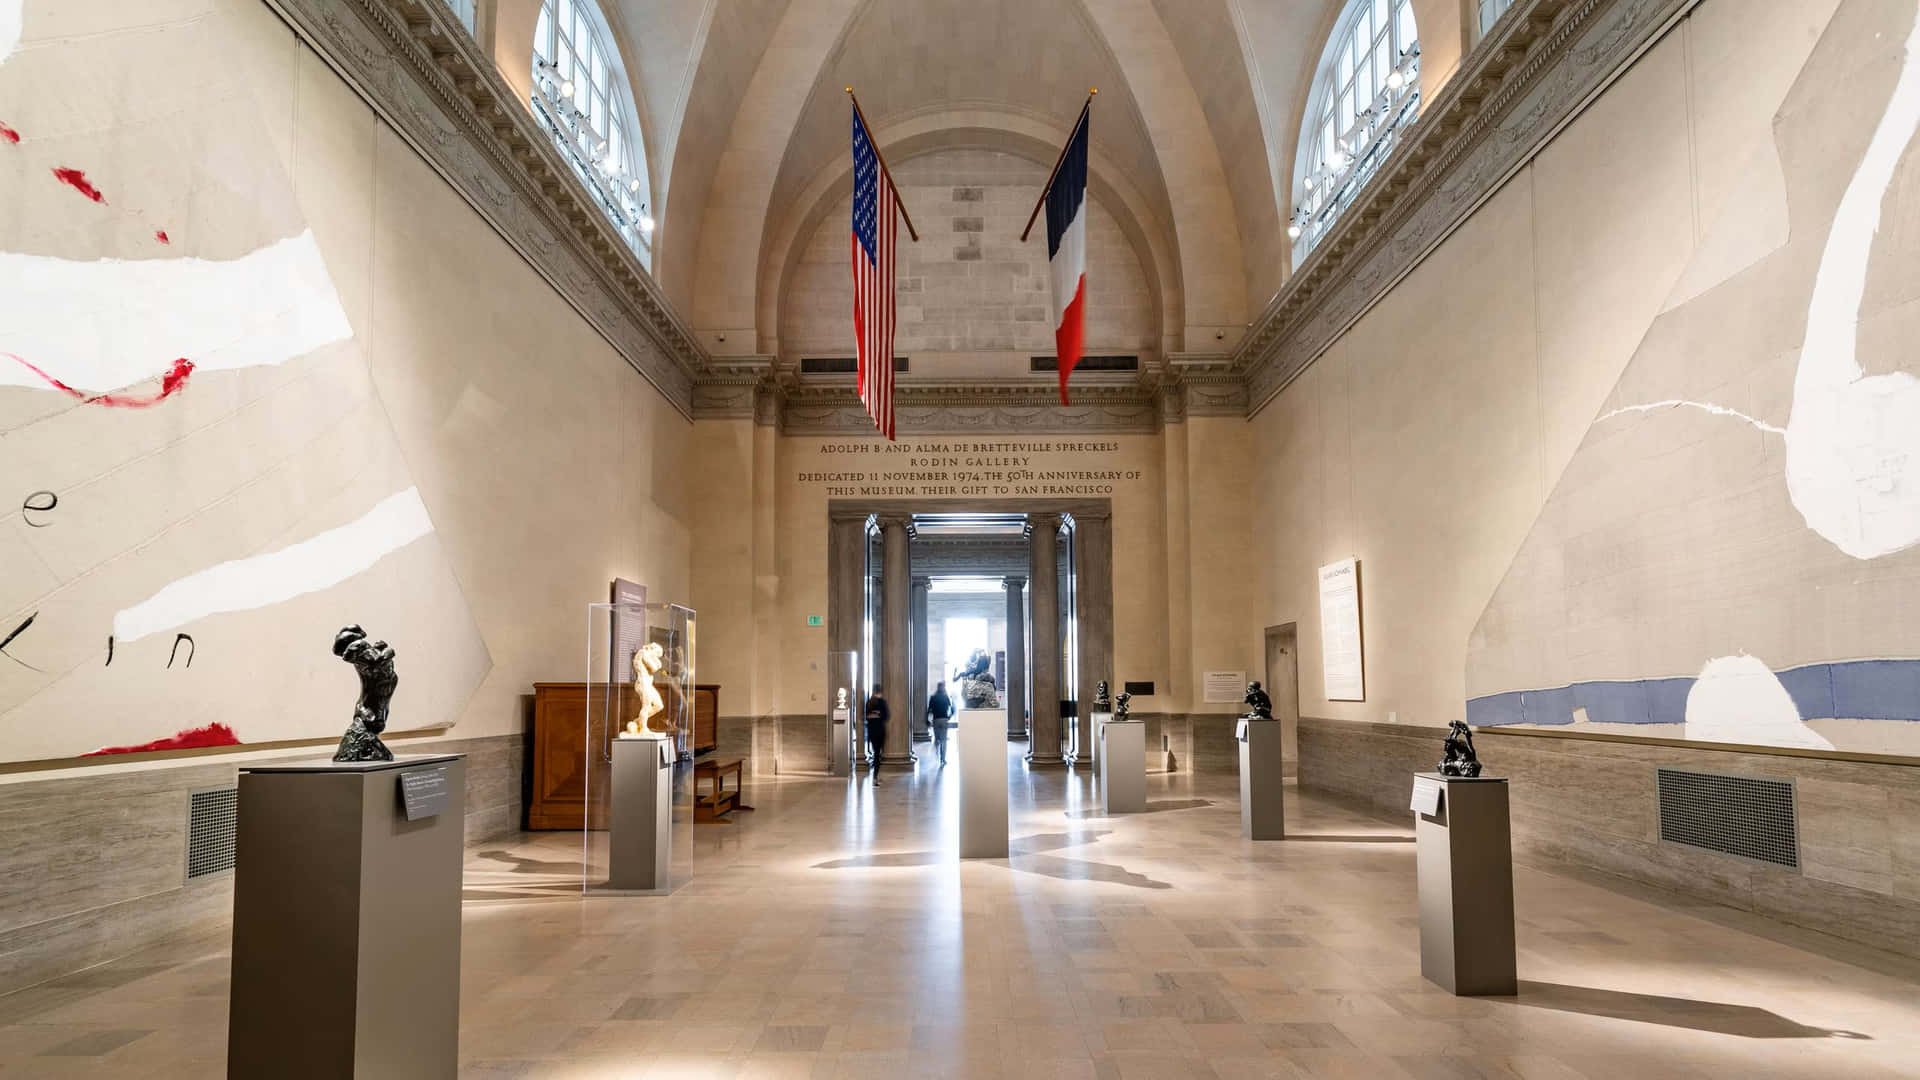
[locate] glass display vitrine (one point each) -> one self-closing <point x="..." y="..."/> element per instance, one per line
<point x="637" y="835"/>
<point x="845" y="709"/>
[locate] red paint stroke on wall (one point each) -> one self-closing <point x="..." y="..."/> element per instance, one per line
<point x="9" y="134"/>
<point x="175" y="378"/>
<point x="190" y="739"/>
<point x="161" y="235"/>
<point x="78" y="181"/>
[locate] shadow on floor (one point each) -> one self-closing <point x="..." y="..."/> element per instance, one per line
<point x="1025" y="853"/>
<point x="520" y="864"/>
<point x="1362" y="838"/>
<point x="1747" y="1021"/>
<point x="1159" y="806"/>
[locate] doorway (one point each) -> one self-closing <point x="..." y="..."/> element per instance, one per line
<point x="1283" y="686"/>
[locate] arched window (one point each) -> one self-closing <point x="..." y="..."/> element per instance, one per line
<point x="463" y="9"/>
<point x="1490" y="12"/>
<point x="580" y="94"/>
<point x="1366" y="92"/>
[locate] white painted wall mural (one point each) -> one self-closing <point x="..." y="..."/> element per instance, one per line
<point x="1730" y="556"/>
<point x="204" y="483"/>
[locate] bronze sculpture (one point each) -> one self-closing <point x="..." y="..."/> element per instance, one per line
<point x="1259" y="705"/>
<point x="1458" y="757"/>
<point x="1102" y="698"/>
<point x="1120" y="706"/>
<point x="374" y="661"/>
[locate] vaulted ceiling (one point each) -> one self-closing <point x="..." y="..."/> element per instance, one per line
<point x="746" y="126"/>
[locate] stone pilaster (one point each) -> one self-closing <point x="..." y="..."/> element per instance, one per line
<point x="1044" y="668"/>
<point x="1016" y="696"/>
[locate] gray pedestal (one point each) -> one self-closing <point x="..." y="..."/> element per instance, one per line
<point x="1466" y="883"/>
<point x="983" y="784"/>
<point x="346" y="921"/>
<point x="1262" y="780"/>
<point x="1099" y="721"/>
<point x="640" y="816"/>
<point x="840" y="744"/>
<point x="1123" y="767"/>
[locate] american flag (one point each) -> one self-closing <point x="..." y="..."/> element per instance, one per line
<point x="873" y="236"/>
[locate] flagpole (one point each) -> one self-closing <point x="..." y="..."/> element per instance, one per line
<point x="871" y="138"/>
<point x="1035" y="216"/>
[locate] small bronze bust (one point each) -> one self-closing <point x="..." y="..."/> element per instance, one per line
<point x="1102" y="698"/>
<point x="1458" y="758"/>
<point x="1259" y="705"/>
<point x="1121" y="704"/>
<point x="374" y="661"/>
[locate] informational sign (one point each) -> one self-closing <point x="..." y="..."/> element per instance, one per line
<point x="816" y="620"/>
<point x="1340" y="644"/>
<point x="424" y="792"/>
<point x="1427" y="793"/>
<point x="629" y="630"/>
<point x="1224" y="686"/>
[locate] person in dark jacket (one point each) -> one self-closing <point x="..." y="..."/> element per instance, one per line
<point x="877" y="715"/>
<point x="939" y="714"/>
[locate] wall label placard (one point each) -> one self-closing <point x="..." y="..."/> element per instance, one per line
<point x="1228" y="686"/>
<point x="816" y="620"/>
<point x="423" y="792"/>
<point x="1341" y="647"/>
<point x="1427" y="794"/>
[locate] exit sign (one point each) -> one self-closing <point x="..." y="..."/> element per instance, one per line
<point x="815" y="620"/>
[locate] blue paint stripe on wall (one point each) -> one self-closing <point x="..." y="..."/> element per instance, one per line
<point x="1855" y="689"/>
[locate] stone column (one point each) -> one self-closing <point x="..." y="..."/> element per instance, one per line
<point x="895" y="614"/>
<point x="1044" y="670"/>
<point x="1093" y="597"/>
<point x="917" y="681"/>
<point x="1016" y="696"/>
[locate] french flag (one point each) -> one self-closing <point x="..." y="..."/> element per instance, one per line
<point x="1067" y="249"/>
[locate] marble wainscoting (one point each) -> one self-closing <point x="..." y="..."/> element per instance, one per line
<point x="1592" y="803"/>
<point x="774" y="745"/>
<point x="796" y="745"/>
<point x="97" y="858"/>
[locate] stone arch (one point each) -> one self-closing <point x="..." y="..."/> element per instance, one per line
<point x="1035" y="140"/>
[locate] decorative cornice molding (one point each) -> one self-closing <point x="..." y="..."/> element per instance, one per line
<point x="1205" y="384"/>
<point x="954" y="410"/>
<point x="738" y="388"/>
<point x="1512" y="96"/>
<point x="424" y="75"/>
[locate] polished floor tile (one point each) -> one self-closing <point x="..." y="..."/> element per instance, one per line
<point x="834" y="933"/>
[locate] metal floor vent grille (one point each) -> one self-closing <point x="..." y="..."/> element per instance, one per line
<point x="1733" y="815"/>
<point x="213" y="820"/>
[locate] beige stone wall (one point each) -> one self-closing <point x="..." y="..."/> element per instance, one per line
<point x="548" y="464"/>
<point x="1426" y="441"/>
<point x="970" y="287"/>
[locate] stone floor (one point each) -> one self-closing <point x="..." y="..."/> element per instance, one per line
<point x="832" y="933"/>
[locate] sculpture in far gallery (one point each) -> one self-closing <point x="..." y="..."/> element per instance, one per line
<point x="1102" y="698"/>
<point x="374" y="661"/>
<point x="1458" y="758"/>
<point x="1120" y="706"/>
<point x="1259" y="705"/>
<point x="648" y="659"/>
<point x="976" y="665"/>
<point x="977" y="687"/>
<point x="841" y="701"/>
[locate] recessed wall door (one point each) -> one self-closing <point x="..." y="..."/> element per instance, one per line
<point x="1283" y="685"/>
